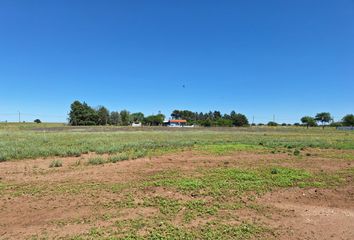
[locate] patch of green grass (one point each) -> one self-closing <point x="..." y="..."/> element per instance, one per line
<point x="224" y="148"/>
<point x="223" y="231"/>
<point x="2" y="158"/>
<point x="56" y="163"/>
<point x="20" y="141"/>
<point x="96" y="161"/>
<point x="198" y="208"/>
<point x="118" y="157"/>
<point x="169" y="231"/>
<point x="167" y="206"/>
<point x="234" y="181"/>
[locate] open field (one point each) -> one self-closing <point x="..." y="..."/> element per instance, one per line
<point x="60" y="182"/>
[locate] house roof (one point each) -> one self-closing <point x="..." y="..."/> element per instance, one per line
<point x="178" y="121"/>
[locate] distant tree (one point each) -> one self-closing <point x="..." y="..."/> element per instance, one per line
<point x="125" y="117"/>
<point x="271" y="123"/>
<point x="308" y="121"/>
<point x="348" y="120"/>
<point x="238" y="119"/>
<point x="260" y="124"/>
<point x="176" y="114"/>
<point x="222" y="122"/>
<point x="216" y="115"/>
<point x="154" y="120"/>
<point x="103" y="115"/>
<point x="114" y="118"/>
<point x="37" y="121"/>
<point x="137" y="117"/>
<point x="82" y="114"/>
<point x="296" y="124"/>
<point x="323" y="117"/>
<point x="206" y="123"/>
<point x="284" y="124"/>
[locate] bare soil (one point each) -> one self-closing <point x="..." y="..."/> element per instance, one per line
<point x="294" y="213"/>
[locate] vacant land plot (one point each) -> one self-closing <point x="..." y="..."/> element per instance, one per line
<point x="58" y="182"/>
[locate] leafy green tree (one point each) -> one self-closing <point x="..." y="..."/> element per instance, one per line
<point x="82" y="114"/>
<point x="271" y="123"/>
<point x="238" y="119"/>
<point x="216" y="115"/>
<point x="176" y="114"/>
<point x="114" y="118"/>
<point x="103" y="115"/>
<point x="323" y="117"/>
<point x="137" y="117"/>
<point x="222" y="122"/>
<point x="125" y="117"/>
<point x="154" y="120"/>
<point x="348" y="120"/>
<point x="37" y="121"/>
<point x="308" y="121"/>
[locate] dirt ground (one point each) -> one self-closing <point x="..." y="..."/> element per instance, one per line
<point x="294" y="213"/>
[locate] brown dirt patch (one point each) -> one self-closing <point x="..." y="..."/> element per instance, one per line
<point x="314" y="213"/>
<point x="296" y="213"/>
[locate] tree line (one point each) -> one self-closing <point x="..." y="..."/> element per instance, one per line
<point x="83" y="114"/>
<point x="324" y="118"/>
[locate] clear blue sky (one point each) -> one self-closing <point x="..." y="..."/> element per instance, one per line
<point x="288" y="58"/>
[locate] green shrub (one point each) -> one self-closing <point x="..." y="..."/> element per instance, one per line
<point x="296" y="152"/>
<point x="96" y="161"/>
<point x="56" y="163"/>
<point x="118" y="157"/>
<point x="2" y="158"/>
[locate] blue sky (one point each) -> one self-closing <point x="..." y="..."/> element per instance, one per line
<point x="288" y="58"/>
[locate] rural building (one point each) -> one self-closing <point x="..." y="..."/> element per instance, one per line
<point x="175" y="123"/>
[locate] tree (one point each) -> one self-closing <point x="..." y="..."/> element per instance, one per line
<point x="154" y="120"/>
<point x="271" y="123"/>
<point x="323" y="117"/>
<point x="216" y="115"/>
<point x="176" y="114"/>
<point x="308" y="121"/>
<point x="137" y="117"/>
<point x="115" y="119"/>
<point x="238" y="119"/>
<point x="37" y="121"/>
<point x="348" y="120"/>
<point x="125" y="117"/>
<point x="82" y="114"/>
<point x="103" y="115"/>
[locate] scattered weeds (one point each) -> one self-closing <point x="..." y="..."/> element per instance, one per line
<point x="96" y="161"/>
<point x="56" y="163"/>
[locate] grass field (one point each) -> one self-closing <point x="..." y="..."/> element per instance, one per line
<point x="60" y="182"/>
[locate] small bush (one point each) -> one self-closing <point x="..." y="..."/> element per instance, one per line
<point x="296" y="152"/>
<point x="2" y="158"/>
<point x="274" y="171"/>
<point x="118" y="157"/>
<point x="56" y="163"/>
<point x="138" y="154"/>
<point x="96" y="161"/>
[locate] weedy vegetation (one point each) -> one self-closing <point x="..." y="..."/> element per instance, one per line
<point x="190" y="184"/>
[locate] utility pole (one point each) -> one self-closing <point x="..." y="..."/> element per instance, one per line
<point x="19" y="116"/>
<point x="273" y="117"/>
<point x="252" y="119"/>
